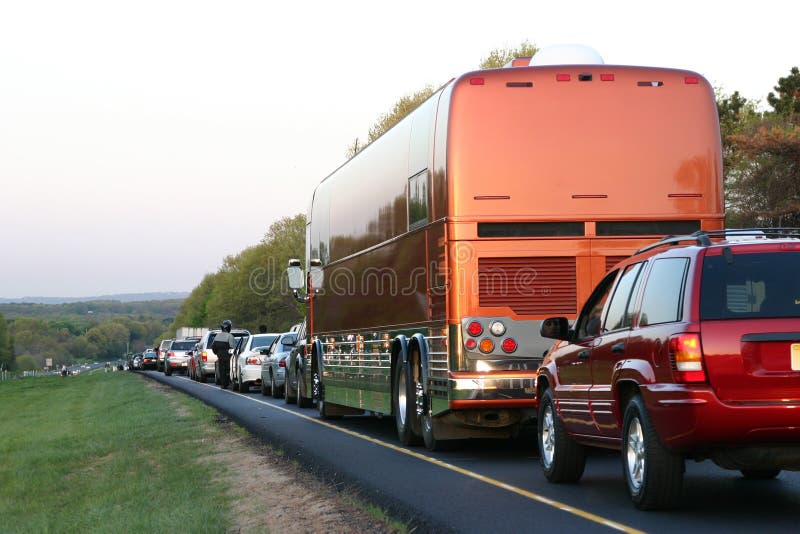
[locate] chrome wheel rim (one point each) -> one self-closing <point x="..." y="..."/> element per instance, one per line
<point x="402" y="399"/>
<point x="548" y="441"/>
<point x="635" y="454"/>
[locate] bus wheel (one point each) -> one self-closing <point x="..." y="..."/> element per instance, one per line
<point x="404" y="403"/>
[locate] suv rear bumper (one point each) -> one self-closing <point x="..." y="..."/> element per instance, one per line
<point x="692" y="419"/>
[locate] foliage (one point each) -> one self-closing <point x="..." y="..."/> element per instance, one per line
<point x="402" y="107"/>
<point x="499" y="57"/>
<point x="787" y="100"/>
<point x="765" y="189"/>
<point x="6" y="345"/>
<point x="250" y="288"/>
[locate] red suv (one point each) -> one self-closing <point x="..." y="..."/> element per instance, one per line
<point x="688" y="349"/>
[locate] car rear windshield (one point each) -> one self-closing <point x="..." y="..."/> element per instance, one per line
<point x="262" y="341"/>
<point x="750" y="286"/>
<point x="183" y="345"/>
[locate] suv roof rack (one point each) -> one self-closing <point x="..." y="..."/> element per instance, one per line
<point x="703" y="237"/>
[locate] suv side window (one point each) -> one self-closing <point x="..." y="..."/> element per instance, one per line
<point x="589" y="322"/>
<point x="620" y="309"/>
<point x="663" y="293"/>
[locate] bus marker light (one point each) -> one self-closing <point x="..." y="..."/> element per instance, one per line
<point x="606" y="77"/>
<point x="475" y="328"/>
<point x="476" y="81"/>
<point x="509" y="345"/>
<point x="497" y="328"/>
<point x="693" y="80"/>
<point x="470" y="344"/>
<point x="487" y="345"/>
<point x="562" y="77"/>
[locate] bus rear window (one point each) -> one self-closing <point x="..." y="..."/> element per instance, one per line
<point x="542" y="229"/>
<point x="610" y="228"/>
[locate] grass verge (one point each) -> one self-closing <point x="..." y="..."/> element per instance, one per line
<point x="102" y="453"/>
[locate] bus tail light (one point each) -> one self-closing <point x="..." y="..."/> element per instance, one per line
<point x="497" y="328"/>
<point x="475" y="329"/>
<point x="687" y="358"/>
<point x="509" y="345"/>
<point x="470" y="344"/>
<point x="486" y="345"/>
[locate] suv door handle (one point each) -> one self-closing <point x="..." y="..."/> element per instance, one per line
<point x="618" y="348"/>
<point x="584" y="354"/>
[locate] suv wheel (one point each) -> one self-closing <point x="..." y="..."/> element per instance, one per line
<point x="561" y="458"/>
<point x="653" y="473"/>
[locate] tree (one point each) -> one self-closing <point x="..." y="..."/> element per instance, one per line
<point x="251" y="287"/>
<point x="499" y="57"/>
<point x="787" y="100"/>
<point x="6" y="347"/>
<point x="402" y="107"/>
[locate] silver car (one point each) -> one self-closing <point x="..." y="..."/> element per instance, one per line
<point x="273" y="370"/>
<point x="176" y="358"/>
<point x="246" y="361"/>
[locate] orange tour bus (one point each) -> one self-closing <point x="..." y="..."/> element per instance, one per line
<point x="433" y="254"/>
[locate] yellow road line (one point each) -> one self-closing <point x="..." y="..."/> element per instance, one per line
<point x="502" y="485"/>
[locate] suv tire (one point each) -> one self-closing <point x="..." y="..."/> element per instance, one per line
<point x="653" y="473"/>
<point x="561" y="458"/>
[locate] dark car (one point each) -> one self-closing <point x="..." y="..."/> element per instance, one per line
<point x="683" y="351"/>
<point x="149" y="360"/>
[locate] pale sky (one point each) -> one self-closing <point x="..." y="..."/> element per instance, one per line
<point x="142" y="142"/>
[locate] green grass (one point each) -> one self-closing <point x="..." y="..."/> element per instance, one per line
<point x="103" y="453"/>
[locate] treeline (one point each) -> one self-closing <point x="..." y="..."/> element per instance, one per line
<point x="81" y="313"/>
<point x="761" y="153"/>
<point x="251" y="288"/>
<point x="28" y="342"/>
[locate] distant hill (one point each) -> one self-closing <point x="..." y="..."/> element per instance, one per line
<point x="123" y="297"/>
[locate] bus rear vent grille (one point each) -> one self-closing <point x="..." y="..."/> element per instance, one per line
<point x="529" y="286"/>
<point x="613" y="260"/>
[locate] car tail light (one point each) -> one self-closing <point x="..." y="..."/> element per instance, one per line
<point x="687" y="358"/>
<point x="475" y="329"/>
<point x="509" y="345"/>
<point x="204" y="356"/>
<point x="170" y="354"/>
<point x="253" y="361"/>
<point x="282" y="363"/>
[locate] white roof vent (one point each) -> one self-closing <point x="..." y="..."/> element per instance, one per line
<point x="566" y="55"/>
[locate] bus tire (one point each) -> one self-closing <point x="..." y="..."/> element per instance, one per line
<point x="404" y="403"/>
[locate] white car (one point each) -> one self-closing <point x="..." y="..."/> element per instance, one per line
<point x="246" y="361"/>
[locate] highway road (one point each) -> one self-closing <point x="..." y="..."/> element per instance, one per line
<point x="496" y="486"/>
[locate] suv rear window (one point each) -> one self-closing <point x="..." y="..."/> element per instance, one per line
<point x="182" y="345"/>
<point x="750" y="285"/>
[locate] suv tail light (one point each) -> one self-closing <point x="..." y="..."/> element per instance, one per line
<point x="687" y="358"/>
<point x="204" y="356"/>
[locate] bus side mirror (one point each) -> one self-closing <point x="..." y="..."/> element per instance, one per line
<point x="296" y="278"/>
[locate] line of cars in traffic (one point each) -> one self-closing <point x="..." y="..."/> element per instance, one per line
<point x="257" y="360"/>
